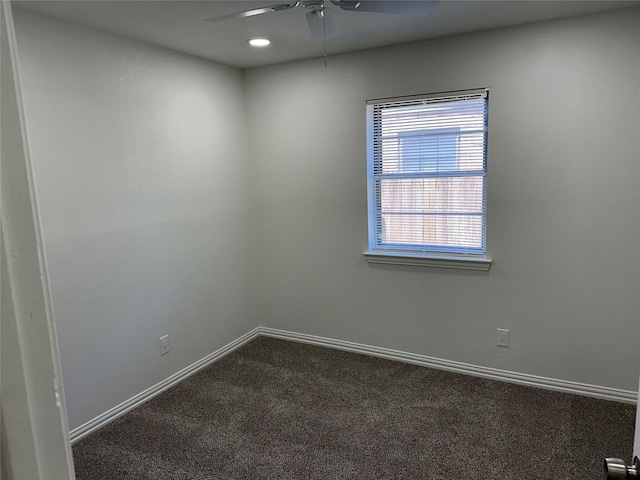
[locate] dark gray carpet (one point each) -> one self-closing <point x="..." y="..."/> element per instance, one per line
<point x="282" y="410"/>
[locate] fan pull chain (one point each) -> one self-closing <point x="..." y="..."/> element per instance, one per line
<point x="324" y="34"/>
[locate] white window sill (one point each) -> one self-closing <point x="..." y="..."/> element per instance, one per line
<point x="430" y="260"/>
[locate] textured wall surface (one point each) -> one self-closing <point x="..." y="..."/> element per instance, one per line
<point x="143" y="188"/>
<point x="166" y="210"/>
<point x="563" y="198"/>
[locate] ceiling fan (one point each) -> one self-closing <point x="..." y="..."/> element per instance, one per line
<point x="319" y="19"/>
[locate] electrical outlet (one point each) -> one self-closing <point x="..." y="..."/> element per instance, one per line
<point x="503" y="337"/>
<point x="164" y="344"/>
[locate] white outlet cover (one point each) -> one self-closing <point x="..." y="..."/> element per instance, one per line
<point x="164" y="345"/>
<point x="503" y="337"/>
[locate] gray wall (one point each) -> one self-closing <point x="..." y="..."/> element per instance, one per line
<point x="151" y="202"/>
<point x="563" y="200"/>
<point x="142" y="184"/>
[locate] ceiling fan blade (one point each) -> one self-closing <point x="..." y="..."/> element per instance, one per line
<point x="321" y="24"/>
<point x="416" y="8"/>
<point x="256" y="11"/>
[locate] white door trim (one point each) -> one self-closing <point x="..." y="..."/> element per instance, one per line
<point x="36" y="438"/>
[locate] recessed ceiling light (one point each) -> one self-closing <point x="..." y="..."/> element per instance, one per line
<point x="259" y="42"/>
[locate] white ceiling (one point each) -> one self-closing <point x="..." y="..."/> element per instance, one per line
<point x="179" y="24"/>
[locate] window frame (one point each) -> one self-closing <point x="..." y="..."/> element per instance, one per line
<point x="420" y="254"/>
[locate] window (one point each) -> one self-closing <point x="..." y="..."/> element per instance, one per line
<point x="427" y="167"/>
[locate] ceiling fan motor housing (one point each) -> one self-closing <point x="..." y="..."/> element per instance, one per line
<point x="313" y="4"/>
<point x="347" y="4"/>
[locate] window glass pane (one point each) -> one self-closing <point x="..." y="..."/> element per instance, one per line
<point x="429" y="151"/>
<point x="428" y="161"/>
<point x="435" y="230"/>
<point x="432" y="195"/>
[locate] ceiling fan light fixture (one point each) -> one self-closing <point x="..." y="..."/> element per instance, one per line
<point x="259" y="42"/>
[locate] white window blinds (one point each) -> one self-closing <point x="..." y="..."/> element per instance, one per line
<point x="427" y="166"/>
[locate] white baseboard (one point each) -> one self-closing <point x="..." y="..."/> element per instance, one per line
<point x="596" y="391"/>
<point x="119" y="410"/>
